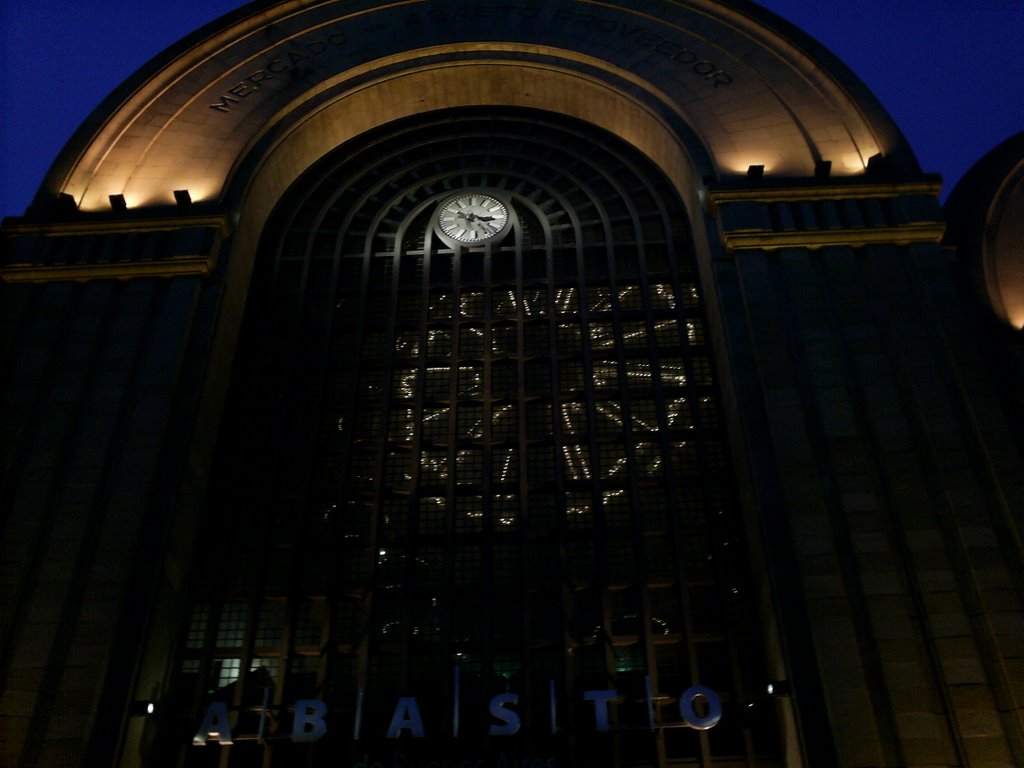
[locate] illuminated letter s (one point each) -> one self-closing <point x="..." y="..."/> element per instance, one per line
<point x="510" y="720"/>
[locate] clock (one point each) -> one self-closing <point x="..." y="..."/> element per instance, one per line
<point x="472" y="217"/>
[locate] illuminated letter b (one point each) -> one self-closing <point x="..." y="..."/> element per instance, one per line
<point x="309" y="720"/>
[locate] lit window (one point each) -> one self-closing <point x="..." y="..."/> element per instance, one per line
<point x="606" y="374"/>
<point x="470" y="422"/>
<point x="634" y="335"/>
<point x="407" y="344"/>
<point x="602" y="336"/>
<point x="577" y="462"/>
<point x="578" y="510"/>
<point x="645" y="415"/>
<point x="435" y="425"/>
<point x="226" y="671"/>
<point x="503" y="340"/>
<point x="433" y="467"/>
<point x="616" y="507"/>
<point x="401" y="424"/>
<point x="662" y="296"/>
<point x="197" y="627"/>
<point x="599" y="299"/>
<point x="648" y="459"/>
<point x="432" y="514"/>
<point x="470" y="381"/>
<point x="574" y="418"/>
<point x="673" y="372"/>
<point x="677" y="413"/>
<point x="398" y="470"/>
<point x="439" y="306"/>
<point x="505" y="422"/>
<point x="231" y="629"/>
<point x="505" y="511"/>
<point x="403" y="382"/>
<point x="505" y="465"/>
<point x="439" y="344"/>
<point x="270" y="626"/>
<point x="503" y="301"/>
<point x="435" y="383"/>
<point x="267" y="669"/>
<point x="471" y="342"/>
<point x="631" y="298"/>
<point x="535" y="302"/>
<point x="469" y="513"/>
<point x="708" y="411"/>
<point x="685" y="464"/>
<point x="471" y="304"/>
<point x="566" y="301"/>
<point x="691" y="296"/>
<point x="612" y="459"/>
<point x="610" y="417"/>
<point x="469" y="467"/>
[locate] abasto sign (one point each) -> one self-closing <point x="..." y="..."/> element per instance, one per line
<point x="310" y="722"/>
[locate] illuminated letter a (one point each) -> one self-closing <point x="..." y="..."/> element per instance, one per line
<point x="407" y="715"/>
<point x="215" y="724"/>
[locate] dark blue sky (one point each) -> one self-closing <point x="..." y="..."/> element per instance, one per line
<point x="951" y="72"/>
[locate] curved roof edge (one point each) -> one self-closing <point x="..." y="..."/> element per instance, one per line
<point x="986" y="225"/>
<point x="755" y="89"/>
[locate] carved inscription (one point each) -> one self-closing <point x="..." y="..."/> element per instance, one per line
<point x="676" y="53"/>
<point x="282" y="63"/>
<point x="569" y="21"/>
<point x="503" y="12"/>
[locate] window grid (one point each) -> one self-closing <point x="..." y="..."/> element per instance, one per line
<point x="602" y="356"/>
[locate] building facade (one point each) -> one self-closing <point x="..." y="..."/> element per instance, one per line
<point x="506" y="384"/>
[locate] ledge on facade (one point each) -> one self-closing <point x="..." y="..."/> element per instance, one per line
<point x="822" y="212"/>
<point x="111" y="245"/>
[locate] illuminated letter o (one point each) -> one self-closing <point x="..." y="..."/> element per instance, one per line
<point x="693" y="720"/>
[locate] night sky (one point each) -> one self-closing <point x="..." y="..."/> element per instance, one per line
<point x="950" y="72"/>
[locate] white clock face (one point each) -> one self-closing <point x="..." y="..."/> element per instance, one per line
<point x="472" y="217"/>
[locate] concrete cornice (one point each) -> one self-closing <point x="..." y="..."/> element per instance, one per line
<point x="815" y="191"/>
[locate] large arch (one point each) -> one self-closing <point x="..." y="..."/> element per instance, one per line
<point x="752" y="89"/>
